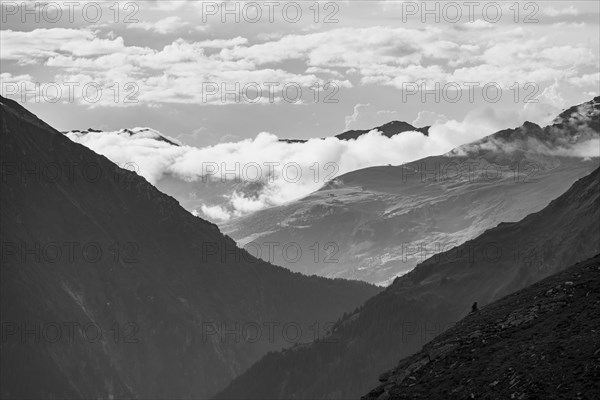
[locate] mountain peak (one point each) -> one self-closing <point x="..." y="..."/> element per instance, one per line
<point x="530" y="125"/>
<point x="397" y="124"/>
<point x="137" y="132"/>
<point x="155" y="267"/>
<point x="578" y="124"/>
<point x="388" y="129"/>
<point x="588" y="112"/>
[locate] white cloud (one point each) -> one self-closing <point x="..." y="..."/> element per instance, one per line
<point x="12" y="85"/>
<point x="587" y="80"/>
<point x="281" y="182"/>
<point x="7" y="77"/>
<point x="477" y="24"/>
<point x="365" y="49"/>
<point x="215" y="213"/>
<point x="547" y="105"/>
<point x="277" y="184"/>
<point x="223" y="43"/>
<point x="554" y="12"/>
<point x="40" y="44"/>
<point x="366" y="116"/>
<point x="163" y="26"/>
<point x="367" y="56"/>
<point x="327" y="71"/>
<point x="428" y="118"/>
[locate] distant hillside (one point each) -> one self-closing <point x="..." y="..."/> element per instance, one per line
<point x="379" y="222"/>
<point x="423" y="303"/>
<point x="540" y="342"/>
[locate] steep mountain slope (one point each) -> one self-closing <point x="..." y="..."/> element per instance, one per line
<point x="110" y="288"/>
<point x="379" y="222"/>
<point x="540" y="342"/>
<point x="423" y="303"/>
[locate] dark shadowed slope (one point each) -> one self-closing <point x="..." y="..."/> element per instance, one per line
<point x="423" y="303"/>
<point x="381" y="221"/>
<point x="541" y="342"/>
<point x="110" y="288"/>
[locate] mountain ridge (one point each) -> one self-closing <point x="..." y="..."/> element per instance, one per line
<point x="87" y="242"/>
<point x="137" y="131"/>
<point x="423" y="303"/>
<point x="389" y="129"/>
<point x="513" y="347"/>
<point x="381" y="216"/>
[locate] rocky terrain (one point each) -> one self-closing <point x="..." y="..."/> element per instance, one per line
<point x="430" y="299"/>
<point x="540" y="342"/>
<point x="111" y="289"/>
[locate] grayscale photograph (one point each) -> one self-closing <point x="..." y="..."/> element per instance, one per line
<point x="308" y="200"/>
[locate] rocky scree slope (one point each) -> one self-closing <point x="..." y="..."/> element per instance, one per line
<point x="540" y="342"/>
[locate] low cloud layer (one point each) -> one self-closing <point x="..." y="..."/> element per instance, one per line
<point x="264" y="171"/>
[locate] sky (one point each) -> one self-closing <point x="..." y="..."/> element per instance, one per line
<point x="211" y="72"/>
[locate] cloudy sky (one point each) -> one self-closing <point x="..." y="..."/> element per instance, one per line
<point x="205" y="73"/>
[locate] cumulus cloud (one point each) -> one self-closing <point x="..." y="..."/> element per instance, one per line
<point x="7" y="77"/>
<point x="327" y="71"/>
<point x="477" y="24"/>
<point x="162" y="26"/>
<point x="366" y="116"/>
<point x="23" y="87"/>
<point x="40" y="44"/>
<point x="547" y="105"/>
<point x="223" y="43"/>
<point x="215" y="213"/>
<point x="176" y="72"/>
<point x="428" y="118"/>
<point x="586" y="80"/>
<point x="554" y="12"/>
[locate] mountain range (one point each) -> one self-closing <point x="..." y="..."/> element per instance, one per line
<point x="195" y="192"/>
<point x="180" y="310"/>
<point x="388" y="129"/>
<point x="147" y="133"/>
<point x="429" y="300"/>
<point x="111" y="289"/>
<point x="377" y="223"/>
